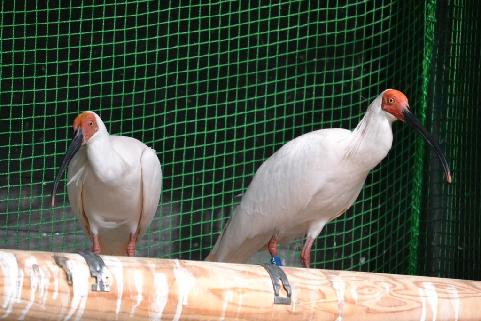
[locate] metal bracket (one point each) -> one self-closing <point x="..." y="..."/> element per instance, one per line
<point x="98" y="270"/>
<point x="62" y="262"/>
<point x="277" y="274"/>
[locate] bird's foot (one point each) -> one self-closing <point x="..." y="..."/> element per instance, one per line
<point x="306" y="252"/>
<point x="272" y="248"/>
<point x="95" y="244"/>
<point x="132" y="244"/>
<point x="272" y="245"/>
<point x="306" y="260"/>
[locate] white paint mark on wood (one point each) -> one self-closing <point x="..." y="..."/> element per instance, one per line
<point x="117" y="270"/>
<point x="340" y="287"/>
<point x="354" y="295"/>
<point x="43" y="286"/>
<point x="386" y="287"/>
<point x="238" y="284"/>
<point x="32" y="269"/>
<point x="228" y="298"/>
<point x="239" y="305"/>
<point x="81" y="283"/>
<point x="422" y="296"/>
<point x="185" y="282"/>
<point x="161" y="288"/>
<point x="139" y="284"/>
<point x="314" y="300"/>
<point x="62" y="298"/>
<point x="293" y="297"/>
<point x="432" y="295"/>
<point x="9" y="267"/>
<point x="454" y="296"/>
<point x="55" y="283"/>
<point x="18" y="299"/>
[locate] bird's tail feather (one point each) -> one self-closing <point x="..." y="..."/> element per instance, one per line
<point x="234" y="245"/>
<point x="213" y="253"/>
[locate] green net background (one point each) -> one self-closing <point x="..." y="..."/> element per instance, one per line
<point x="217" y="87"/>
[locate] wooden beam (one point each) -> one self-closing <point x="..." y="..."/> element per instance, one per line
<point x="34" y="286"/>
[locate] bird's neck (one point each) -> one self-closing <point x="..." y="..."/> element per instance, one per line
<point x="105" y="162"/>
<point x="371" y="140"/>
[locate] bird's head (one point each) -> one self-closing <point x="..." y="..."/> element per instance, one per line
<point x="86" y="125"/>
<point x="395" y="103"/>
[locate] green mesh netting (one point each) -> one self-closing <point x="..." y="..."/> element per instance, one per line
<point x="217" y="87"/>
<point x="451" y="221"/>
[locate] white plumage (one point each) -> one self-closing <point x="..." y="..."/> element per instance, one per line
<point x="308" y="182"/>
<point x="114" y="185"/>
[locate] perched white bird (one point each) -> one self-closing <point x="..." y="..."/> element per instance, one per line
<point x="114" y="185"/>
<point x="311" y="180"/>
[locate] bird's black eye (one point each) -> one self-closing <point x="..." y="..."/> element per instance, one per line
<point x="91" y="123"/>
<point x="391" y="100"/>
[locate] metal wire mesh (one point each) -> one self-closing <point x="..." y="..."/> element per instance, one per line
<point x="216" y="88"/>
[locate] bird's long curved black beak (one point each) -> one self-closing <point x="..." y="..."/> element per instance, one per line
<point x="72" y="149"/>
<point x="412" y="121"/>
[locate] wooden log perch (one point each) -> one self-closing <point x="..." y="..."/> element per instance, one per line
<point x="35" y="286"/>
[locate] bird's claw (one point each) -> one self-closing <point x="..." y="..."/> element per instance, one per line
<point x="131" y="250"/>
<point x="95" y="244"/>
<point x="132" y="244"/>
<point x="306" y="261"/>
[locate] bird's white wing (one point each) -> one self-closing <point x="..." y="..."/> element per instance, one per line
<point x="283" y="185"/>
<point x="76" y="171"/>
<point x="151" y="188"/>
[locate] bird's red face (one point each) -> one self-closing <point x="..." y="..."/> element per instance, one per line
<point x="395" y="102"/>
<point x="87" y="124"/>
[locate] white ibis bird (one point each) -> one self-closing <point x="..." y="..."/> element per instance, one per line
<point x="313" y="179"/>
<point x="114" y="185"/>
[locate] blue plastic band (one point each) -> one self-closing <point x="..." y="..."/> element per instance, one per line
<point x="276" y="260"/>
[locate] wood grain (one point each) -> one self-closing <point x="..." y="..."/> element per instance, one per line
<point x="34" y="287"/>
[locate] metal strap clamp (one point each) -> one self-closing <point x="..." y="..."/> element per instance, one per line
<point x="277" y="274"/>
<point x="98" y="270"/>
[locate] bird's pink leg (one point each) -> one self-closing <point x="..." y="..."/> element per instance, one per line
<point x="306" y="252"/>
<point x="95" y="244"/>
<point x="272" y="245"/>
<point x="132" y="244"/>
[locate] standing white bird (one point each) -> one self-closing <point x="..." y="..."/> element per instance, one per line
<point x="114" y="185"/>
<point x="311" y="180"/>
